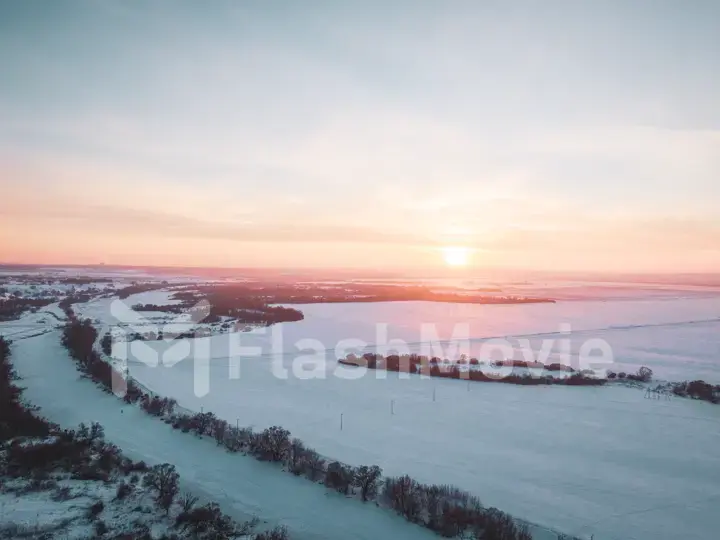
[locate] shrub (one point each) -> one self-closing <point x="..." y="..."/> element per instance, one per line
<point x="339" y="477"/>
<point x="496" y="525"/>
<point x="697" y="390"/>
<point x="219" y="429"/>
<point x="644" y="374"/>
<point x="187" y="502"/>
<point x="209" y="522"/>
<point x="451" y="511"/>
<point x="314" y="465"/>
<point x="278" y="533"/>
<point x="106" y="344"/>
<point x="157" y="406"/>
<point x="234" y="439"/>
<point x="63" y="452"/>
<point x="95" y="509"/>
<point x="273" y="444"/>
<point x="123" y="491"/>
<point x="201" y="423"/>
<point x="100" y="528"/>
<point x="367" y="479"/>
<point x="402" y="494"/>
<point x="296" y="457"/>
<point x="138" y="466"/>
<point x="164" y="480"/>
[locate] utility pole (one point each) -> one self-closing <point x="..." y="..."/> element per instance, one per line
<point x="392" y="407"/>
<point x="341" y="421"/>
<point x="433" y="393"/>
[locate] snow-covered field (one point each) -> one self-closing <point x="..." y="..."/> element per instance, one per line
<point x="586" y="461"/>
<point x="60" y="509"/>
<point x="33" y="324"/>
<point x="676" y="338"/>
<point x="603" y="461"/>
<point x="159" y="297"/>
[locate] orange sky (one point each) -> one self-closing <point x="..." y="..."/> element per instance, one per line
<point x="290" y="139"/>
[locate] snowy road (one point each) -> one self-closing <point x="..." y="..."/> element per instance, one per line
<point x="242" y="486"/>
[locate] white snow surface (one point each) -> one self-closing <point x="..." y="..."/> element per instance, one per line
<point x="242" y="486"/>
<point x="676" y="338"/>
<point x="158" y="297"/>
<point x="47" y="511"/>
<point x="587" y="461"/>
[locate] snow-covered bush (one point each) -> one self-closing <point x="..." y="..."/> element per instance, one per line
<point x="157" y="406"/>
<point x="403" y="495"/>
<point x="644" y="374"/>
<point x="278" y="533"/>
<point x="314" y="465"/>
<point x="296" y="461"/>
<point x="367" y="479"/>
<point x="339" y="477"/>
<point x="123" y="491"/>
<point x="208" y="522"/>
<point x="273" y="444"/>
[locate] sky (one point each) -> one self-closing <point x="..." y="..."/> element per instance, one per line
<point x="553" y="135"/>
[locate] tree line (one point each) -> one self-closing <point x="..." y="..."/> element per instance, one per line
<point x="13" y="308"/>
<point x="469" y="370"/>
<point x="446" y="510"/>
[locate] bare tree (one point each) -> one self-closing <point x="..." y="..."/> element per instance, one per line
<point x="403" y="495"/>
<point x="219" y="429"/>
<point x="367" y="478"/>
<point x="645" y="374"/>
<point x="339" y="477"/>
<point x="187" y="502"/>
<point x="296" y="457"/>
<point x="164" y="480"/>
<point x="272" y="444"/>
<point x="201" y="422"/>
<point x="315" y="465"/>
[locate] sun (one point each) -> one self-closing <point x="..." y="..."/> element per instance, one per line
<point x="455" y="255"/>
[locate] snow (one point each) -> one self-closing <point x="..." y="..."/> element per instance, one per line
<point x="675" y="338"/>
<point x="587" y="461"/>
<point x="159" y="297"/>
<point x="54" y="311"/>
<point x="569" y="458"/>
<point x="42" y="510"/>
<point x="59" y="508"/>
<point x="603" y="461"/>
<point x="27" y="326"/>
<point x="241" y="485"/>
<point x="329" y="322"/>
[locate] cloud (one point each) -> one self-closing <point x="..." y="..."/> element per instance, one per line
<point x="143" y="223"/>
<point x="506" y="130"/>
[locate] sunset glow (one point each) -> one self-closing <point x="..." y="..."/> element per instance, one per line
<point x="456" y="256"/>
<point x="287" y="138"/>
